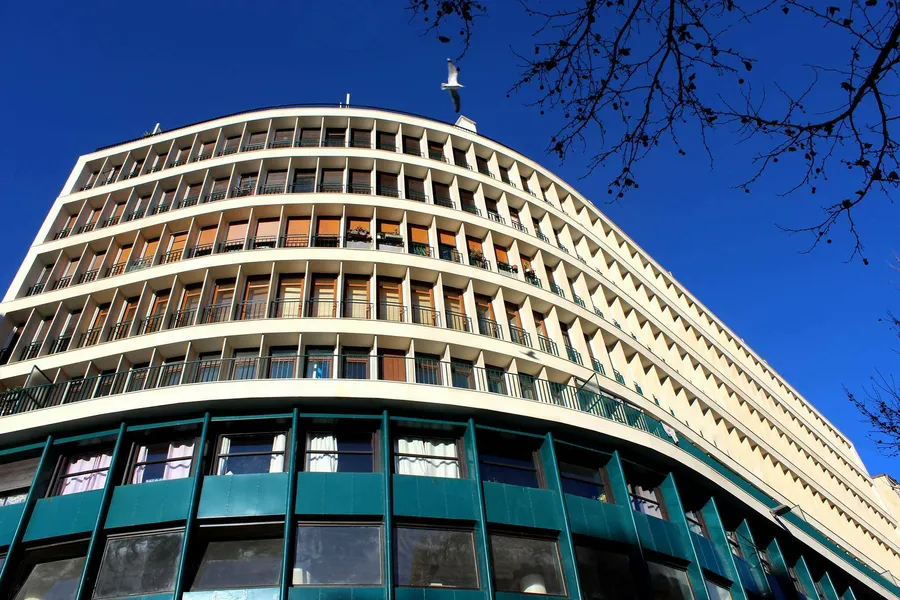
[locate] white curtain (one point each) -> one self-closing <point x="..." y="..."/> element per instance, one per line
<point x="178" y="469"/>
<point x="138" y="476"/>
<point x="320" y="462"/>
<point x="276" y="463"/>
<point x="88" y="481"/>
<point x="223" y="449"/>
<point x="434" y="465"/>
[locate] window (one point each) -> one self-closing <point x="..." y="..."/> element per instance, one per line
<point x="52" y="580"/>
<point x="251" y="453"/>
<point x="15" y="479"/>
<point x="435" y="558"/>
<point x="355" y="363"/>
<point x="764" y="559"/>
<point x="428" y="368"/>
<point x="695" y="522"/>
<point x="604" y="574"/>
<point x="392" y="365"/>
<point x="163" y="461"/>
<point x="426" y="457"/>
<point x="236" y="557"/>
<point x="139" y="565"/>
<point x="584" y="481"/>
<point x="83" y="473"/>
<point x="647" y="499"/>
<point x="282" y="360"/>
<point x="669" y="583"/>
<point x="527" y="565"/>
<point x="340" y="452"/>
<point x="716" y="591"/>
<point x="734" y="543"/>
<point x="318" y="363"/>
<point x="337" y="555"/>
<point x="509" y="459"/>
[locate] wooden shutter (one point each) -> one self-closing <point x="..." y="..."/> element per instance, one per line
<point x="328" y="226"/>
<point x="539" y="324"/>
<point x="309" y="137"/>
<point x="418" y="234"/>
<point x="193" y="190"/>
<point x="390" y="291"/>
<point x="484" y="307"/>
<point x="447" y="238"/>
<point x="124" y="254"/>
<point x="130" y="309"/>
<point x="512" y="315"/>
<point x="502" y="255"/>
<point x="290" y="287"/>
<point x="159" y="303"/>
<point x="224" y="292"/>
<point x="388" y="227"/>
<point x="257" y="289"/>
<point x="267" y="228"/>
<point x="191" y="298"/>
<point x="298" y="226"/>
<point x="356" y="289"/>
<point x="453" y="300"/>
<point x="276" y="178"/>
<point x="150" y="248"/>
<point x="237" y="230"/>
<point x="283" y="135"/>
<point x="220" y="185"/>
<point x="466" y="197"/>
<point x="95" y="214"/>
<point x="117" y="212"/>
<point x="393" y="365"/>
<point x="97" y="260"/>
<point x="422" y="295"/>
<point x="360" y="136"/>
<point x="178" y="241"/>
<point x="100" y="315"/>
<point x="410" y="144"/>
<point x="415" y="185"/>
<point x="355" y="222"/>
<point x="333" y="177"/>
<point x="474" y="245"/>
<point x="362" y="178"/>
<point x="258" y="138"/>
<point x="387" y="179"/>
<point x="70" y="268"/>
<point x="441" y="190"/>
<point x="168" y="196"/>
<point x="207" y="235"/>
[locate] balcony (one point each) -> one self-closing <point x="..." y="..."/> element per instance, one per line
<point x="387" y="190"/>
<point x="303" y="187"/>
<point x="496" y="218"/>
<point x="150" y="324"/>
<point x="359" y="188"/>
<point x="270" y="189"/>
<point x="444" y="201"/>
<point x="200" y="250"/>
<point x="508" y="269"/>
<point x="85" y="228"/>
<point x="261" y="242"/>
<point x="486" y="171"/>
<point x="172" y="256"/>
<point x="574" y="355"/>
<point x="424" y="315"/>
<point x="118" y="331"/>
<point x="450" y="253"/>
<point x="326" y="241"/>
<point x="331" y="188"/>
<point x="435" y="155"/>
<point x="334" y="142"/>
<point x="356" y="309"/>
<point x="322" y="309"/>
<point x="458" y="321"/>
<point x="577" y="300"/>
<point x="216" y="313"/>
<point x="548" y="345"/>
<point x="241" y="191"/>
<point x="598" y="367"/>
<point x="490" y="328"/>
<point x="390" y="242"/>
<point x="391" y="311"/>
<point x="471" y="208"/>
<point x="557" y="290"/>
<point x="90" y="337"/>
<point x="416" y="195"/>
<point x="519" y="336"/>
<point x="286" y="308"/>
<point x="61" y="283"/>
<point x="479" y="261"/>
<point x="162" y="207"/>
<point x="182" y="318"/>
<point x="230" y="246"/>
<point x="133" y="215"/>
<point x="186" y="202"/>
<point x="31" y="351"/>
<point x="116" y="269"/>
<point x="253" y="147"/>
<point x="464" y="164"/>
<point x="35" y="289"/>
<point x="87" y="276"/>
<point x="108" y="222"/>
<point x="60" y="344"/>
<point x="140" y="264"/>
<point x="215" y="196"/>
<point x="255" y="309"/>
<point x="618" y="377"/>
<point x="420" y="249"/>
<point x="299" y="240"/>
<point x="61" y="234"/>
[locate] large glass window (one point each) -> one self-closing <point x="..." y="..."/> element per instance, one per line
<point x="340" y="452"/>
<point x="238" y="562"/>
<point x="669" y="583"/>
<point x="604" y="574"/>
<point x="163" y="461"/>
<point x="84" y="473"/>
<point x="15" y="479"/>
<point x="138" y="565"/>
<point x="527" y="565"/>
<point x="338" y="555"/>
<point x="717" y="592"/>
<point x="646" y="500"/>
<point x="695" y="522"/>
<point x="426" y="457"/>
<point x="435" y="558"/>
<point x="52" y="580"/>
<point x="251" y="453"/>
<point x="587" y="482"/>
<point x="509" y="460"/>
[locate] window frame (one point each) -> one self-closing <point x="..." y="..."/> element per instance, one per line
<point x="659" y="501"/>
<point x="381" y="549"/>
<point x="696" y="517"/>
<point x="45" y="553"/>
<point x="732" y="537"/>
<point x="336" y="431"/>
<point x="530" y="535"/>
<point x="134" y="534"/>
<point x="60" y="475"/>
<point x="214" y="464"/>
<point x="458" y="441"/>
<point x="161" y="438"/>
<point x="434" y="527"/>
<point x="602" y="471"/>
<point x="208" y="533"/>
<point x="540" y="476"/>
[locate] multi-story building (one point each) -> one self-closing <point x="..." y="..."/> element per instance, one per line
<point x="310" y="352"/>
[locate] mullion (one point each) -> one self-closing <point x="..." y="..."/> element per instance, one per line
<point x="403" y="454"/>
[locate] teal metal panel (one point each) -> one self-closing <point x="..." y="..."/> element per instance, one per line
<point x="9" y="520"/>
<point x="719" y="541"/>
<point x="428" y="421"/>
<point x="758" y="583"/>
<point x="248" y="495"/>
<point x="805" y="577"/>
<point x="227" y="418"/>
<point x="567" y="545"/>
<point x="250" y="594"/>
<point x="660" y="536"/>
<point x="848" y="594"/>
<point x="340" y="494"/>
<point x="20" y="449"/>
<point x="336" y="593"/>
<point x="522" y="506"/>
<point x="406" y="593"/>
<point x="600" y="519"/>
<point x="153" y="502"/>
<point x="148" y="426"/>
<point x="676" y="513"/>
<point x="707" y="555"/>
<point x="85" y="436"/>
<point x="192" y="508"/>
<point x="435" y="497"/>
<point x="828" y="587"/>
<point x="289" y="502"/>
<point x="64" y="515"/>
<point x="387" y="506"/>
<point x="482" y="541"/>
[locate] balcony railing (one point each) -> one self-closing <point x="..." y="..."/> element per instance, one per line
<point x="322" y="308"/>
<point x="261" y="242"/>
<point x="116" y="269"/>
<point x="162" y="207"/>
<point x="421" y="249"/>
<point x="387" y="190"/>
<point x="451" y="254"/>
<point x="331" y="188"/>
<point x="118" y="331"/>
<point x="88" y="276"/>
<point x="60" y="344"/>
<point x="392" y="311"/>
<point x="280" y="144"/>
<point x="240" y="191"/>
<point x="599" y="313"/>
<point x="150" y="324"/>
<point x="254" y="309"/>
<point x="444" y="201"/>
<point x="253" y="147"/>
<point x="85" y="228"/>
<point x="574" y="355"/>
<point x="300" y="240"/>
<point x="577" y="299"/>
<point x="507" y="269"/>
<point x="271" y="189"/>
<point x="424" y="315"/>
<point x="326" y="241"/>
<point x="140" y="264"/>
<point x="356" y="309"/>
<point x="32" y="350"/>
<point x="548" y="345"/>
<point x="171" y="257"/>
<point x="90" y="337"/>
<point x="61" y="283"/>
<point x="200" y="250"/>
<point x="490" y="328"/>
<point x="230" y="246"/>
<point x="62" y="233"/>
<point x="216" y="313"/>
<point x="133" y="215"/>
<point x="182" y="318"/>
<point x="109" y="222"/>
<point x="215" y="196"/>
<point x="557" y="290"/>
<point x="471" y="208"/>
<point x="458" y="321"/>
<point x="416" y="195"/>
<point x="359" y="188"/>
<point x="480" y="262"/>
<point x="329" y="142"/>
<point x="598" y="366"/>
<point x="520" y="336"/>
<point x="486" y="171"/>
<point x="303" y="187"/>
<point x="542" y="237"/>
<point x="36" y="288"/>
<point x="518" y="225"/>
<point x="386" y="146"/>
<point x="285" y="308"/>
<point x="618" y="376"/>
<point x="186" y="202"/>
<point x="495" y="217"/>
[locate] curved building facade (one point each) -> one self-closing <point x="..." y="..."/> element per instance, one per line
<point x="347" y="353"/>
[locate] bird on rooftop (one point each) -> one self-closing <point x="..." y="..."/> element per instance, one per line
<point x="453" y="85"/>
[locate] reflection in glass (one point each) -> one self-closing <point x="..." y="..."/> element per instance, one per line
<point x="139" y="565"/>
<point x="435" y="558"/>
<point x="604" y="575"/>
<point x="56" y="580"/>
<point x="239" y="564"/>
<point x="527" y="565"/>
<point x="337" y="555"/>
<point x="669" y="583"/>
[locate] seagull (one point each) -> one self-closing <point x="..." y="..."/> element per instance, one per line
<point x="452" y="84"/>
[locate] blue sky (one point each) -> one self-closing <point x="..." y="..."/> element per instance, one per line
<point x="81" y="75"/>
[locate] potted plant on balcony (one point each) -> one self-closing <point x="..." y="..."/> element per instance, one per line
<point x="393" y="238"/>
<point x="359" y="234"/>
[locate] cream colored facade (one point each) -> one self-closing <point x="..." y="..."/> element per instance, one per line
<point x="512" y="270"/>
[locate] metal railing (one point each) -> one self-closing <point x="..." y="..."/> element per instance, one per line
<point x="444" y="201"/>
<point x="118" y="331"/>
<point x="480" y="262"/>
<point x="253" y="147"/>
<point x="116" y="269"/>
<point x="32" y="350"/>
<point x="557" y="290"/>
<point x="88" y="276"/>
<point x="60" y="344"/>
<point x="61" y="283"/>
<point x="171" y="257"/>
<point x="356" y="309"/>
<point x="271" y="189"/>
<point x="421" y="249"/>
<point x="391" y="311"/>
<point x="35" y="289"/>
<point x="322" y="308"/>
<point x="541" y="237"/>
<point x="139" y="264"/>
<point x="241" y="191"/>
<point x="298" y="240"/>
<point x="425" y="315"/>
<point x="490" y="328"/>
<point x="416" y="195"/>
<point x="186" y="202"/>
<point x="182" y="318"/>
<point x="215" y="196"/>
<point x="507" y="269"/>
<point x="230" y="246"/>
<point x="262" y="241"/>
<point x="200" y="250"/>
<point x="458" y="321"/>
<point x="254" y="309"/>
<point x="151" y="324"/>
<point x="471" y="208"/>
<point x="577" y="300"/>
<point x="387" y="190"/>
<point x="496" y="217"/>
<point x="216" y="313"/>
<point x="359" y="188"/>
<point x="518" y="225"/>
<point x="326" y="241"/>
<point x="303" y="187"/>
<point x="285" y="308"/>
<point x="548" y="345"/>
<point x="598" y="366"/>
<point x="89" y="337"/>
<point x="574" y="355"/>
<point x="451" y="254"/>
<point x="519" y="336"/>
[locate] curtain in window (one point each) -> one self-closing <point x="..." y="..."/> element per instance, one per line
<point x="276" y="463"/>
<point x="178" y="469"/>
<point x="322" y="463"/>
<point x="433" y="466"/>
<point x="87" y="481"/>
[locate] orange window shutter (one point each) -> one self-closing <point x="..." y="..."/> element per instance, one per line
<point x="328" y="226"/>
<point x="102" y="311"/>
<point x="474" y="245"/>
<point x="120" y="208"/>
<point x="502" y="255"/>
<point x="97" y="260"/>
<point x="388" y="227"/>
<point x="159" y="304"/>
<point x="236" y="231"/>
<point x="526" y="262"/>
<point x="207" y="235"/>
<point x="357" y="222"/>
<point x="178" y="241"/>
<point x="70" y="268"/>
<point x="393" y="366"/>
<point x="298" y="226"/>
<point x="418" y="234"/>
<point x="267" y="228"/>
<point x="95" y="214"/>
<point x="150" y="250"/>
<point x="124" y="254"/>
<point x="447" y="238"/>
<point x="257" y="290"/>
